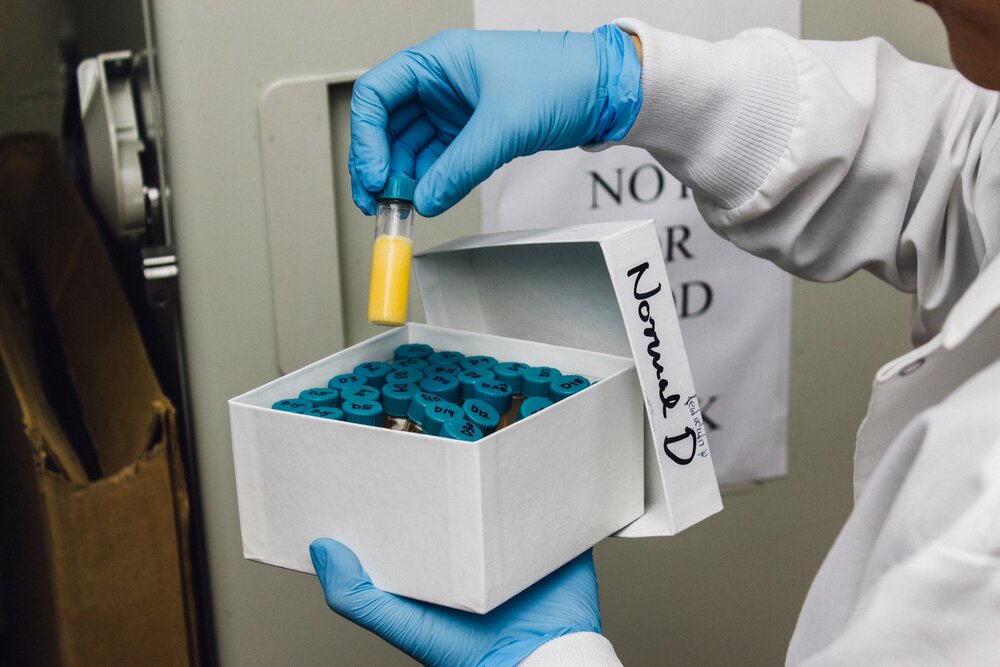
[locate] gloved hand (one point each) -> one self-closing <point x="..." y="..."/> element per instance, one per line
<point x="562" y="603"/>
<point x="452" y="110"/>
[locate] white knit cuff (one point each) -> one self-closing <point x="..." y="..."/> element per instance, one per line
<point x="718" y="116"/>
<point x="580" y="649"/>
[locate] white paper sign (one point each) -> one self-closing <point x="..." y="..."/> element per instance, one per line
<point x="734" y="309"/>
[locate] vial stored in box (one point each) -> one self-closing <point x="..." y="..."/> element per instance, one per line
<point x="389" y="288"/>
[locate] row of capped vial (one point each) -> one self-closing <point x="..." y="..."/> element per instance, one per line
<point x="438" y="393"/>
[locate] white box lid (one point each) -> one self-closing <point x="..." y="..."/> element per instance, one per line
<point x="600" y="287"/>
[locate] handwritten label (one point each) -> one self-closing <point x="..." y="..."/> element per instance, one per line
<point x="680" y="448"/>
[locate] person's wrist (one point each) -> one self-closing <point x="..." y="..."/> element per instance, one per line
<point x="518" y="649"/>
<point x="619" y="71"/>
<point x="637" y="43"/>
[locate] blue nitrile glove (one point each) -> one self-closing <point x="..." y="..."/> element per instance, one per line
<point x="563" y="603"/>
<point x="452" y="110"/>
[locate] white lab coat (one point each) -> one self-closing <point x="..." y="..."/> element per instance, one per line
<point x="827" y="158"/>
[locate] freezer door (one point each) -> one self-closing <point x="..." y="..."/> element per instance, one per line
<point x="273" y="254"/>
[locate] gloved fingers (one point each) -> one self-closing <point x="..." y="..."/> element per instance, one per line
<point x="406" y="141"/>
<point x="338" y="569"/>
<point x="427" y="156"/>
<point x="377" y="94"/>
<point x="478" y="150"/>
<point x="349" y="590"/>
<point x="422" y="630"/>
<point x="401" y="118"/>
<point x="363" y="199"/>
<point x="404" y="150"/>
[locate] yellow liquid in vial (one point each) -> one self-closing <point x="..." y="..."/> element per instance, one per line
<point x="388" y="291"/>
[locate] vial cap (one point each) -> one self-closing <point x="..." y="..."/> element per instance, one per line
<point x="512" y="373"/>
<point x="566" y="386"/>
<point x="368" y="413"/>
<point x="405" y="377"/>
<point x="397" y="396"/>
<point x="461" y="429"/>
<point x="495" y="392"/>
<point x="399" y="186"/>
<point x="536" y="381"/>
<point x="439" y="414"/>
<point x="442" y="369"/>
<point x="447" y="357"/>
<point x="373" y="372"/>
<point x="345" y="380"/>
<point x="412" y="351"/>
<point x="326" y="413"/>
<point x="410" y="364"/>
<point x="292" y="405"/>
<point x="321" y="397"/>
<point x="467" y="380"/>
<point x="482" y="414"/>
<point x="532" y="405"/>
<point x="445" y="386"/>
<point x="360" y="394"/>
<point x="418" y="406"/>
<point x="479" y="362"/>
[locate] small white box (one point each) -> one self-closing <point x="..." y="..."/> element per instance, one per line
<point x="469" y="525"/>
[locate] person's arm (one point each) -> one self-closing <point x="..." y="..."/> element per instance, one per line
<point x="921" y="549"/>
<point x="829" y="157"/>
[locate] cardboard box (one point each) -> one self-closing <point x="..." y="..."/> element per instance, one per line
<point x="470" y="525"/>
<point x="95" y="510"/>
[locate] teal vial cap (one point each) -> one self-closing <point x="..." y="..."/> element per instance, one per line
<point x="566" y="386"/>
<point x="446" y="357"/>
<point x="404" y="377"/>
<point x="532" y="405"/>
<point x="439" y="414"/>
<point x="410" y="364"/>
<point x="496" y="393"/>
<point x="292" y="405"/>
<point x="345" y="380"/>
<point x="397" y="396"/>
<point x="482" y="414"/>
<point x="461" y="429"/>
<point x="442" y="369"/>
<point x="418" y="406"/>
<point x="512" y="373"/>
<point x="326" y="413"/>
<point x="399" y="187"/>
<point x="536" y="381"/>
<point x="363" y="393"/>
<point x="413" y="351"/>
<point x="321" y="397"/>
<point x="479" y="362"/>
<point x="445" y="386"/>
<point x="467" y="380"/>
<point x="368" y="413"/>
<point x="373" y="372"/>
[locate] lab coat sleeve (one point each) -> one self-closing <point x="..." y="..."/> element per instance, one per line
<point x="828" y="157"/>
<point x="580" y="649"/>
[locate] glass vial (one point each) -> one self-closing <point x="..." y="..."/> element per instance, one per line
<point x="388" y="291"/>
